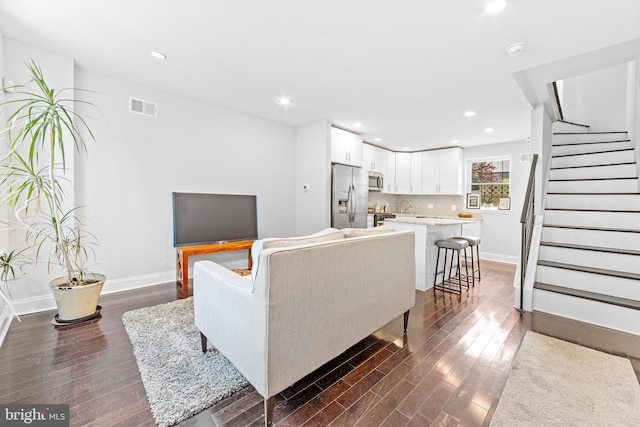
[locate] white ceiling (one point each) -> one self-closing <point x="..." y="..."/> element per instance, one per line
<point x="407" y="70"/>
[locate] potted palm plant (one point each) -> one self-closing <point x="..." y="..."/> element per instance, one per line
<point x="34" y="185"/>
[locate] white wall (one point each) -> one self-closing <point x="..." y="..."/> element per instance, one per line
<point x="501" y="229"/>
<point x="313" y="169"/>
<point x="597" y="99"/>
<point x="127" y="178"/>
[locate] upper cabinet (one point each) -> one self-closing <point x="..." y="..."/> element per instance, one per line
<point x="403" y="173"/>
<point x="416" y="173"/>
<point x="346" y="147"/>
<point x="389" y="171"/>
<point x="373" y="158"/>
<point x="442" y="171"/>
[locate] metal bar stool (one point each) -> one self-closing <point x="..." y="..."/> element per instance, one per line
<point x="473" y="242"/>
<point x="451" y="284"/>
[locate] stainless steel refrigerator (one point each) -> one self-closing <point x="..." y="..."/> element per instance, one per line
<point x="349" y="197"/>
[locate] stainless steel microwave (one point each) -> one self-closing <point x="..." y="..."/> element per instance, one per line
<point x="375" y="181"/>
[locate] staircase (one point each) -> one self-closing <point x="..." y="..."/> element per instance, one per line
<point x="589" y="259"/>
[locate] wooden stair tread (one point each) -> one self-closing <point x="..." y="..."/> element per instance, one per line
<point x="593" y="296"/>
<point x="594" y="210"/>
<point x="594" y="179"/>
<point x="592" y="270"/>
<point x="594" y="166"/>
<point x="591" y="248"/>
<point x="628" y="193"/>
<point x="584" y="227"/>
<point x="589" y="142"/>
<point x="591" y="152"/>
<point x="573" y="123"/>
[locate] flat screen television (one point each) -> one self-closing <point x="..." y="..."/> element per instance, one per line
<point x="213" y="218"/>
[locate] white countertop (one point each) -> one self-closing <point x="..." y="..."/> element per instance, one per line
<point x="431" y="221"/>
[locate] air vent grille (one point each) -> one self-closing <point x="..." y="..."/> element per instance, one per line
<point x="145" y="108"/>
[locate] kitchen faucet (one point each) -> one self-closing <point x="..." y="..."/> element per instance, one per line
<point x="402" y="205"/>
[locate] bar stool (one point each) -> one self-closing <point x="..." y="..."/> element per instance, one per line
<point x="473" y="242"/>
<point x="451" y="284"/>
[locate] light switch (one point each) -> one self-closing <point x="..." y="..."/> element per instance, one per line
<point x="305" y="188"/>
<point x="453" y="207"/>
<point x="430" y="206"/>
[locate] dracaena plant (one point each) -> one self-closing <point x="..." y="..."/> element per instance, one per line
<point x="32" y="173"/>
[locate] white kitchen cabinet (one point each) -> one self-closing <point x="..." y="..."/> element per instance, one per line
<point x="389" y="171"/>
<point x="373" y="158"/>
<point x="442" y="171"/>
<point x="473" y="229"/>
<point x="416" y="173"/>
<point x="403" y="173"/>
<point x="346" y="147"/>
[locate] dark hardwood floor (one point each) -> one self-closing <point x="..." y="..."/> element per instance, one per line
<point x="449" y="369"/>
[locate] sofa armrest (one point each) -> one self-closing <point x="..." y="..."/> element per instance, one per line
<point x="233" y="318"/>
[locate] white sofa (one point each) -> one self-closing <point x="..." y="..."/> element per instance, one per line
<point x="307" y="301"/>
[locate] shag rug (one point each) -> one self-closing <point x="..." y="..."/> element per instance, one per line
<point x="180" y="380"/>
<point x="557" y="383"/>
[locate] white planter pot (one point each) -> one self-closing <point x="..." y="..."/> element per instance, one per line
<point x="76" y="302"/>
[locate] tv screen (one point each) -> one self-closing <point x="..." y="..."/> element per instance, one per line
<point x="212" y="218"/>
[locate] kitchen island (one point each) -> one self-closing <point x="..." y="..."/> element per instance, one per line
<point x="427" y="230"/>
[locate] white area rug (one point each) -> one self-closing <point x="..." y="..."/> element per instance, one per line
<point x="180" y="380"/>
<point x="556" y="383"/>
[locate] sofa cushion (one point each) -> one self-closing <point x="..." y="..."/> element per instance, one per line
<point x="357" y="232"/>
<point x="325" y="235"/>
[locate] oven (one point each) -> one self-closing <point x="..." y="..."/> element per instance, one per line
<point x="378" y="219"/>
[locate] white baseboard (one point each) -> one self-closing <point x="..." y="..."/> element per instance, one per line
<point x="5" y="322"/>
<point x="46" y="302"/>
<point x="499" y="257"/>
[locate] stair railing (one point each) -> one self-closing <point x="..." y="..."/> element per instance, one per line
<point x="527" y="220"/>
<point x="556" y="96"/>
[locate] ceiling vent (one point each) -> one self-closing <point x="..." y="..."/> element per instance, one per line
<point x="145" y="108"/>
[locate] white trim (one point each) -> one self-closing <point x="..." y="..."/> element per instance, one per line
<point x="5" y="321"/>
<point x="46" y="302"/>
<point x="509" y="259"/>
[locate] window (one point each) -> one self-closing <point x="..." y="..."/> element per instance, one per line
<point x="489" y="179"/>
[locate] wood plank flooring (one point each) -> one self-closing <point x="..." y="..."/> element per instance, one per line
<point x="449" y="369"/>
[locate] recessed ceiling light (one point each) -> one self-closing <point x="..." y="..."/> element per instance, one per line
<point x="357" y="125"/>
<point x="454" y="141"/>
<point x="378" y="139"/>
<point x="495" y="6"/>
<point x="488" y="130"/>
<point x="516" y="48"/>
<point x="405" y="148"/>
<point x="470" y="114"/>
<point x="284" y="101"/>
<point x="158" y="55"/>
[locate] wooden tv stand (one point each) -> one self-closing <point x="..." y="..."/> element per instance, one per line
<point x="184" y="252"/>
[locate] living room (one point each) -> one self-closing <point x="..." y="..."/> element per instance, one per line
<point x="125" y="181"/>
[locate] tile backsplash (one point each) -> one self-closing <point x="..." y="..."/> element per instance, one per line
<point x="420" y="205"/>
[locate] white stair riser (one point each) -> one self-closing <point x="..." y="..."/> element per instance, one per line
<point x="596" y="259"/>
<point x="600" y="186"/>
<point x="605" y="315"/>
<point x="614" y="202"/>
<point x="614" y="171"/>
<point x="613" y="157"/>
<point x="588" y="137"/>
<point x="568" y="127"/>
<point x="597" y="283"/>
<point x="629" y="220"/>
<point x="560" y="150"/>
<point x="605" y="239"/>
